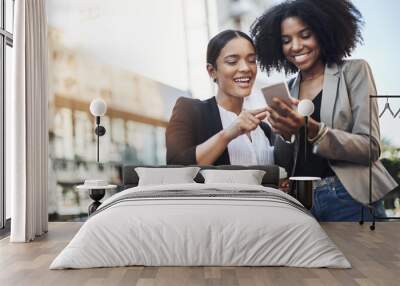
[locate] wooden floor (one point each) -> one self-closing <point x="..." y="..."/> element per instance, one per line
<point x="374" y="255"/>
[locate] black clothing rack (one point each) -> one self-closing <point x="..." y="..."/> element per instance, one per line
<point x="370" y="206"/>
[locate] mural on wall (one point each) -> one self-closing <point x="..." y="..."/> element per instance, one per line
<point x="140" y="65"/>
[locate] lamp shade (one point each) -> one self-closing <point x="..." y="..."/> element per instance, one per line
<point x="98" y="107"/>
<point x="305" y="107"/>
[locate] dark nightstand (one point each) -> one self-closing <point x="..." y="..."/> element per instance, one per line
<point x="96" y="193"/>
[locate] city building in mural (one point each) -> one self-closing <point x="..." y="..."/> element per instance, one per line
<point x="137" y="114"/>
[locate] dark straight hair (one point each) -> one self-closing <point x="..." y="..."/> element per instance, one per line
<point x="218" y="42"/>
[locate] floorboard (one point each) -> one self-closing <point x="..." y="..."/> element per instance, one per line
<point x="374" y="255"/>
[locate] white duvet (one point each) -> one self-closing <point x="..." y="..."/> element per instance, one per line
<point x="183" y="231"/>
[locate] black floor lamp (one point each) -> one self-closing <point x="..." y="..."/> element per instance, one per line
<point x="306" y="109"/>
<point x="303" y="185"/>
<point x="97" y="188"/>
<point x="98" y="108"/>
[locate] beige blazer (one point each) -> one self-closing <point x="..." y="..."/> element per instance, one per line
<point x="345" y="109"/>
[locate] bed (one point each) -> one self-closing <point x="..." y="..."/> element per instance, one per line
<point x="201" y="224"/>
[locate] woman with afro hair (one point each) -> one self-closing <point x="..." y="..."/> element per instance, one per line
<point x="312" y="38"/>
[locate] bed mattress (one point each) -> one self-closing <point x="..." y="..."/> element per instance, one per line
<point x="201" y="225"/>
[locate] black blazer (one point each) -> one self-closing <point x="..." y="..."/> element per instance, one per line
<point x="192" y="122"/>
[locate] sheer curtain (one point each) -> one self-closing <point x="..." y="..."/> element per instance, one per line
<point x="27" y="133"/>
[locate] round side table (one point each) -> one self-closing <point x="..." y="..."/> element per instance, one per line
<point x="96" y="193"/>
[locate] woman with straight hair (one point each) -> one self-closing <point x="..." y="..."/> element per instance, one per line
<point x="218" y="131"/>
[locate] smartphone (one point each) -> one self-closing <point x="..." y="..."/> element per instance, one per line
<point x="280" y="90"/>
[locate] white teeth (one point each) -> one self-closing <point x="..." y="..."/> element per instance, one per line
<point x="242" y="79"/>
<point x="300" y="58"/>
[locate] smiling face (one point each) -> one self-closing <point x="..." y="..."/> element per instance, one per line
<point x="235" y="69"/>
<point x="300" y="45"/>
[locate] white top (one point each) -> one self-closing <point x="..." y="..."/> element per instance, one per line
<point x="242" y="150"/>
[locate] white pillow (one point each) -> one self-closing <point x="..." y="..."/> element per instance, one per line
<point x="248" y="177"/>
<point x="164" y="176"/>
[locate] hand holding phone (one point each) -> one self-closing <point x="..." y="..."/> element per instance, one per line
<point x="280" y="90"/>
<point x="283" y="116"/>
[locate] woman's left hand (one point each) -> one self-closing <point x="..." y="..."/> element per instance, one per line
<point x="283" y="118"/>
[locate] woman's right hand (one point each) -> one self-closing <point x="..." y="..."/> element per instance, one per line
<point x="247" y="121"/>
<point x="209" y="151"/>
<point x="283" y="118"/>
